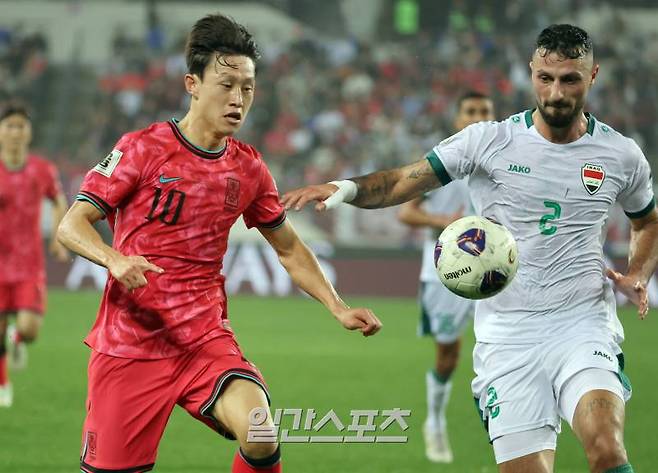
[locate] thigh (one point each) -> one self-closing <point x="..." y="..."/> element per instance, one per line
<point x="512" y="389"/>
<point x="128" y="405"/>
<point x="443" y="314"/>
<point x="598" y="399"/>
<point x="579" y="385"/>
<point x="210" y="375"/>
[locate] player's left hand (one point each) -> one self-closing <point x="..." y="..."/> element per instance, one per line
<point x="633" y="288"/>
<point x="59" y="251"/>
<point x="363" y="320"/>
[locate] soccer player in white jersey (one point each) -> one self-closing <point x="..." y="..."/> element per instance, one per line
<point x="548" y="346"/>
<point x="443" y="314"/>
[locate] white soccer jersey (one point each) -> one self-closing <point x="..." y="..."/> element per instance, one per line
<point x="443" y="201"/>
<point x="555" y="199"/>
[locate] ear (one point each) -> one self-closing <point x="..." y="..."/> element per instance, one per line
<point x="191" y="84"/>
<point x="595" y="71"/>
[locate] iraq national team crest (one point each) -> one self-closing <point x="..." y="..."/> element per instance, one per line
<point x="592" y="176"/>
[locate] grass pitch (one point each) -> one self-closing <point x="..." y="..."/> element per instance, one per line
<point x="308" y="362"/>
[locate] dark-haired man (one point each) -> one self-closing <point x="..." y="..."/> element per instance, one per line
<point x="171" y="193"/>
<point x="548" y="347"/>
<point x="444" y="316"/>
<point x="25" y="181"/>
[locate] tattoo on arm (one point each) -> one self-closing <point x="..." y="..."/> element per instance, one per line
<point x="392" y="187"/>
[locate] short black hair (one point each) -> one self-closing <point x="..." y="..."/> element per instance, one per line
<point x="568" y="41"/>
<point x="471" y="94"/>
<point x="14" y="107"/>
<point x="216" y="35"/>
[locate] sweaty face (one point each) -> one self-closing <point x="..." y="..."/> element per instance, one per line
<point x="225" y="94"/>
<point x="561" y="86"/>
<point x="15" y="133"/>
<point x="473" y="111"/>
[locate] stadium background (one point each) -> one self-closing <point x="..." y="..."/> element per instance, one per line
<point x="344" y="88"/>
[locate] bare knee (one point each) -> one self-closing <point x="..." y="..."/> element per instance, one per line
<point x="604" y="451"/>
<point x="599" y="424"/>
<point x="28" y="325"/>
<point x="28" y="336"/>
<point x="258" y="450"/>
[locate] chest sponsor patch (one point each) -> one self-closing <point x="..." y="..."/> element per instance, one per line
<point x="592" y="177"/>
<point x="109" y="163"/>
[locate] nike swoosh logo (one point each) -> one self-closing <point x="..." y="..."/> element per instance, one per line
<point x="165" y="180"/>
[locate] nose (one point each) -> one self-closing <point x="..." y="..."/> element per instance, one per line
<point x="236" y="97"/>
<point x="557" y="93"/>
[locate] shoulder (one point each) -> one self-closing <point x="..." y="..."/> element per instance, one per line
<point x="138" y="139"/>
<point x="41" y="163"/>
<point x="245" y="151"/>
<point x="626" y="148"/>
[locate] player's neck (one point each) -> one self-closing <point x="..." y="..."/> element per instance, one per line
<point x="14" y="161"/>
<point x="560" y="135"/>
<point x="198" y="132"/>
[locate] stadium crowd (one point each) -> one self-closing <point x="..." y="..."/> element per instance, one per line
<point x="330" y="107"/>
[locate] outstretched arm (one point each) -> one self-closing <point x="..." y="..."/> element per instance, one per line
<point x="642" y="261"/>
<point x="372" y="191"/>
<point x="305" y="271"/>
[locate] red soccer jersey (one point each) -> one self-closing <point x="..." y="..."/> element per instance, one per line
<point x="21" y="195"/>
<point x="174" y="204"/>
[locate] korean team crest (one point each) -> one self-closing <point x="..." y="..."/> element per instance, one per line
<point x="592" y="177"/>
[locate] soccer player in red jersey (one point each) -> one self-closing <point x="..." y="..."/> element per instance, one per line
<point x="162" y="337"/>
<point x="25" y="180"/>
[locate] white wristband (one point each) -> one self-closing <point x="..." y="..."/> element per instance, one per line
<point x="346" y="193"/>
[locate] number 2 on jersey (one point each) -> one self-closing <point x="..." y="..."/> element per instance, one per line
<point x="545" y="227"/>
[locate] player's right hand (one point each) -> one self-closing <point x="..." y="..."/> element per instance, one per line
<point x="363" y="320"/>
<point x="298" y="198"/>
<point x="129" y="270"/>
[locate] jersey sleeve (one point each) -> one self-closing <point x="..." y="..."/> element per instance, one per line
<point x="114" y="178"/>
<point x="53" y="185"/>
<point x="265" y="211"/>
<point x="458" y="155"/>
<point x="637" y="199"/>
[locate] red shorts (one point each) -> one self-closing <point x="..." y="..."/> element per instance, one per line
<point x="129" y="401"/>
<point x="24" y="295"/>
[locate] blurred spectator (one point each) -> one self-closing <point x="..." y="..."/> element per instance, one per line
<point x="327" y="107"/>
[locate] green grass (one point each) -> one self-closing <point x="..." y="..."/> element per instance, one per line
<point x="309" y="362"/>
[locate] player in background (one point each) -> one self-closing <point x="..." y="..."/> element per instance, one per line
<point x="25" y="180"/>
<point x="171" y="193"/>
<point x="548" y="346"/>
<point x="443" y="314"/>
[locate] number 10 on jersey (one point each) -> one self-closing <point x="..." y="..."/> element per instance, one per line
<point x="171" y="210"/>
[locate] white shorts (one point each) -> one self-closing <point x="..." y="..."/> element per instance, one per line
<point x="444" y="315"/>
<point x="522" y="388"/>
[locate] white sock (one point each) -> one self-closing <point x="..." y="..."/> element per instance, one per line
<point x="438" y="394"/>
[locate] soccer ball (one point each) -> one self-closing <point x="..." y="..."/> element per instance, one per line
<point x="475" y="257"/>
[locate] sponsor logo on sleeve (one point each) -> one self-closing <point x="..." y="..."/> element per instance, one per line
<point x="109" y="163"/>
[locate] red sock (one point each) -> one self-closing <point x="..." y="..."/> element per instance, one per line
<point x="4" y="379"/>
<point x="240" y="465"/>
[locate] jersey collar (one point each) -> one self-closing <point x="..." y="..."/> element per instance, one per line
<point x="591" y="121"/>
<point x="202" y="152"/>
